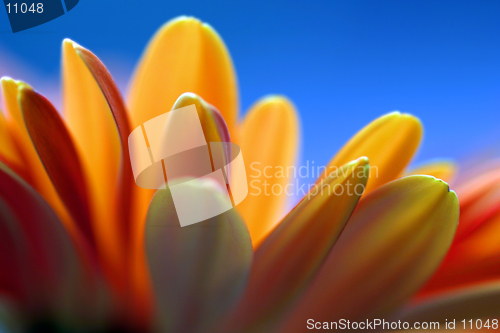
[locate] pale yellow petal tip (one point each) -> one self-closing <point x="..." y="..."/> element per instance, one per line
<point x="21" y="87"/>
<point x="5" y="81"/>
<point x="188" y="97"/>
<point x="69" y="45"/>
<point x="363" y="161"/>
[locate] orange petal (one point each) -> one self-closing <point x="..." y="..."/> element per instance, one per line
<point x="58" y="155"/>
<point x="481" y="301"/>
<point x="444" y="170"/>
<point x="9" y="152"/>
<point x="479" y="200"/>
<point x="122" y="124"/>
<point x="92" y="125"/>
<point x="184" y="56"/>
<point x="199" y="270"/>
<point x="289" y="258"/>
<point x="213" y="124"/>
<point x="268" y="140"/>
<point x="389" y="142"/>
<point x="394" y="240"/>
<point x="472" y="260"/>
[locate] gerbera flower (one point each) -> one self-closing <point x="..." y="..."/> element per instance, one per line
<point x="83" y="248"/>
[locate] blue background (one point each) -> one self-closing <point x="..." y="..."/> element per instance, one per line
<point x="343" y="63"/>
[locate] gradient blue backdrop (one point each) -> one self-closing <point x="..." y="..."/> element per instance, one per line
<point x="342" y="63"/>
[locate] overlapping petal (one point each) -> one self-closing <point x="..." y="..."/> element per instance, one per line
<point x="288" y="259"/>
<point x="33" y="172"/>
<point x="269" y="141"/>
<point x="389" y="142"/>
<point x="56" y="279"/>
<point x="91" y="123"/>
<point x="479" y="200"/>
<point x="480" y="301"/>
<point x="213" y="124"/>
<point x="394" y="240"/>
<point x="215" y="130"/>
<point x="58" y="154"/>
<point x="122" y="125"/>
<point x="475" y="254"/>
<point x="9" y="152"/>
<point x="470" y="261"/>
<point x="198" y="271"/>
<point x="184" y="56"/>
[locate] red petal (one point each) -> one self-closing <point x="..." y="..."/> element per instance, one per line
<point x="120" y="115"/>
<point x="58" y="154"/>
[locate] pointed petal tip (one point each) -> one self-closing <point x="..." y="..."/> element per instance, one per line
<point x="22" y="88"/>
<point x="6" y="80"/>
<point x="188" y="97"/>
<point x="363" y="161"/>
<point x="70" y="42"/>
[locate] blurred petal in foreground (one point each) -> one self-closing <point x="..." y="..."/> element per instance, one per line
<point x="198" y="271"/>
<point x="393" y="242"/>
<point x="291" y="255"/>
<point x="480" y="301"/>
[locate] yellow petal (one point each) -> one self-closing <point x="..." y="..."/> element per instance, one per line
<point x="268" y="141"/>
<point x="389" y="142"/>
<point x="480" y="301"/>
<point x="122" y="125"/>
<point x="289" y="258"/>
<point x="214" y="128"/>
<point x="184" y="56"/>
<point x="9" y="152"/>
<point x="91" y="123"/>
<point x="393" y="242"/>
<point x="444" y="170"/>
<point x="9" y="89"/>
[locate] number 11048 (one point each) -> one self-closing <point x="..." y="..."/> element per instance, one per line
<point x="23" y="8"/>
